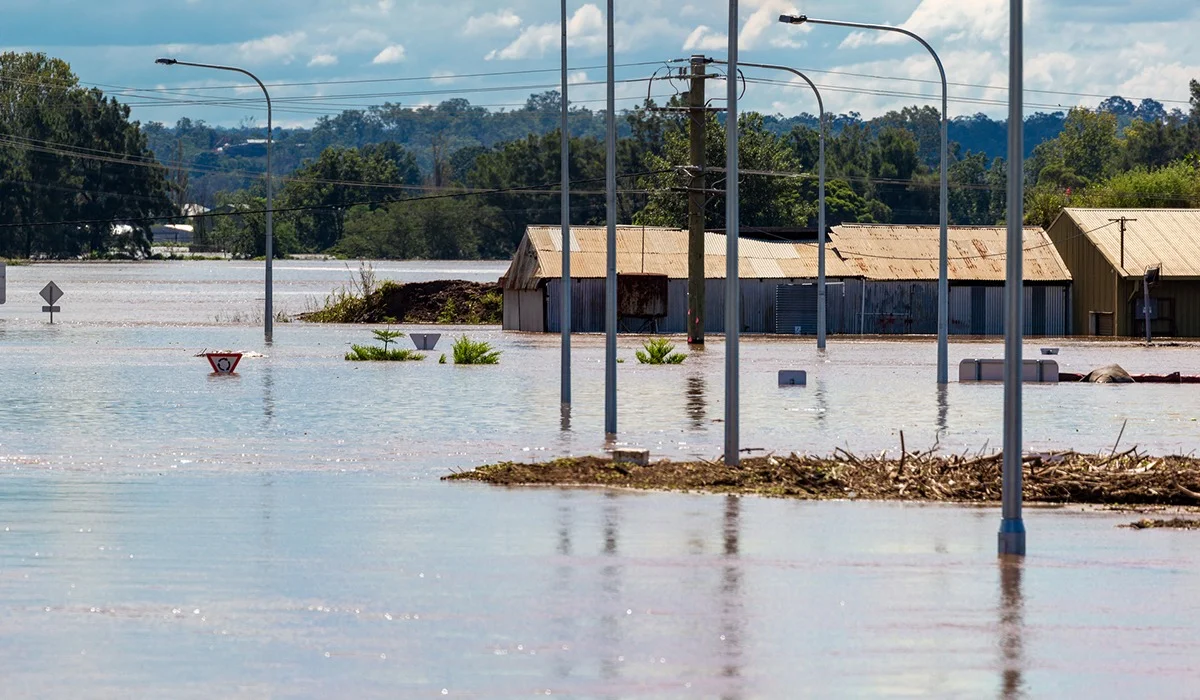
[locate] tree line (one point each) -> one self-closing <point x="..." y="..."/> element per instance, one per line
<point x="72" y="163"/>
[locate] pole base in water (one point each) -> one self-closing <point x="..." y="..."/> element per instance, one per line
<point x="1012" y="538"/>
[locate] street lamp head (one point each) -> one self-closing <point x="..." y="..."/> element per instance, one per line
<point x="166" y="61"/>
<point x="793" y="19"/>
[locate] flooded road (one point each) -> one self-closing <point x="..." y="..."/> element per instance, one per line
<point x="282" y="533"/>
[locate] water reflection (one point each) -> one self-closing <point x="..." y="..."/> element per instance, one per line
<point x="733" y="614"/>
<point x="822" y="397"/>
<point x="564" y="423"/>
<point x="268" y="394"/>
<point x="1012" y="629"/>
<point x="564" y="583"/>
<point x="697" y="401"/>
<point x="943" y="401"/>
<point x="611" y="585"/>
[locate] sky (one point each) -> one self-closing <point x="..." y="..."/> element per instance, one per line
<point x="322" y="56"/>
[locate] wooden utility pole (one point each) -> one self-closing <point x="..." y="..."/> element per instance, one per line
<point x="698" y="117"/>
<point x="1123" y="221"/>
<point x="1120" y="276"/>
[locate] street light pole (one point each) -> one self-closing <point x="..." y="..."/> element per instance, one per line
<point x="565" y="312"/>
<point x="821" y="297"/>
<point x="1012" y="526"/>
<point x="610" y="286"/>
<point x="943" y="350"/>
<point x="268" y="315"/>
<point x="733" y="278"/>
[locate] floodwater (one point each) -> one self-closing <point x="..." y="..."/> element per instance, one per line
<point x="282" y="533"/>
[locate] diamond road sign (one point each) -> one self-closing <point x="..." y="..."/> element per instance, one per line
<point x="51" y="293"/>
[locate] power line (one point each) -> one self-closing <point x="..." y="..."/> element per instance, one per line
<point x="543" y="188"/>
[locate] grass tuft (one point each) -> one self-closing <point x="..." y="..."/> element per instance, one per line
<point x="659" y="351"/>
<point x="474" y="352"/>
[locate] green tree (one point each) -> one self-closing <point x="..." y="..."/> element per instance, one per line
<point x="71" y="154"/>
<point x="771" y="192"/>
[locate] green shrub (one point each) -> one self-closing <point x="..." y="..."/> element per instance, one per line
<point x="474" y="352"/>
<point x="659" y="351"/>
<point x="372" y="353"/>
<point x="442" y="359"/>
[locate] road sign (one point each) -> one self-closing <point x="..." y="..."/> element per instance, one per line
<point x="51" y="293"/>
<point x="223" y="362"/>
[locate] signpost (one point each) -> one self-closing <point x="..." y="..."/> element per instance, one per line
<point x="2" y="278"/>
<point x="51" y="293"/>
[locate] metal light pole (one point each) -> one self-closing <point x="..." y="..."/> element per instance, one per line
<point x="610" y="285"/>
<point x="1012" y="527"/>
<point x="733" y="297"/>
<point x="821" y="298"/>
<point x="565" y="311"/>
<point x="268" y="315"/>
<point x="943" y="351"/>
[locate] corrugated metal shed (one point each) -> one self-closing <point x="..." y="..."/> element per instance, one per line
<point x="660" y="251"/>
<point x="1167" y="237"/>
<point x="910" y="253"/>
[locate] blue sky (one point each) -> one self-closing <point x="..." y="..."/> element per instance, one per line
<point x="312" y="48"/>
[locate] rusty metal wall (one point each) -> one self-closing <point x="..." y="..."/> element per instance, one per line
<point x="524" y="310"/>
<point x="758" y="307"/>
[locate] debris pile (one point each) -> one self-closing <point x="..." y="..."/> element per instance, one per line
<point x="1126" y="478"/>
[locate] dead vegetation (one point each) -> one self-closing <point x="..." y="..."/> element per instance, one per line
<point x="1172" y="524"/>
<point x="1127" y="478"/>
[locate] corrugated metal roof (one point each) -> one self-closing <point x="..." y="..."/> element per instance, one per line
<point x="976" y="253"/>
<point x="1167" y="237"/>
<point x="661" y="251"/>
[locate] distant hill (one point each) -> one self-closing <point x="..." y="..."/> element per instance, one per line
<point x="454" y="132"/>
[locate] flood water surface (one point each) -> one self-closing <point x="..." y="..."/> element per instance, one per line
<point x="282" y="532"/>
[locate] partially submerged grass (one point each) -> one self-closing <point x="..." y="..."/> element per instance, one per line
<point x="659" y="351"/>
<point x="474" y="352"/>
<point x="1124" y="479"/>
<point x="373" y="353"/>
<point x="1172" y="524"/>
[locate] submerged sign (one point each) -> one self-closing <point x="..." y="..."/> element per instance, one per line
<point x="51" y="293"/>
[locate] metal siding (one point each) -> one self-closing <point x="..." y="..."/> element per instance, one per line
<point x="796" y="307"/>
<point x="901" y="307"/>
<point x="1170" y="237"/>
<point x="1094" y="285"/>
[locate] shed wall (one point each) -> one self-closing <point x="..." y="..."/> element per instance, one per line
<point x="1095" y="287"/>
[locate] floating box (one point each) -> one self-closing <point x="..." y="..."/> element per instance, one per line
<point x="793" y="377"/>
<point x="1033" y="371"/>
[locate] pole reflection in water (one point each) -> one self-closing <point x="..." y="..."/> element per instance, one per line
<point x="565" y="418"/>
<point x="268" y="394"/>
<point x="564" y="584"/>
<point x="697" y="401"/>
<point x="733" y="612"/>
<point x="822" y="397"/>
<point x="943" y="401"/>
<point x="1012" y="629"/>
<point x="610" y="584"/>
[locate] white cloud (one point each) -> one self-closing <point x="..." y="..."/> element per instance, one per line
<point x="323" y="59"/>
<point x="360" y="39"/>
<point x="277" y="47"/>
<point x="579" y="76"/>
<point x="762" y="23"/>
<point x="392" y="54"/>
<point x="443" y="77"/>
<point x="949" y="20"/>
<point x="585" y="29"/>
<point x="492" y="23"/>
<point x="704" y="39"/>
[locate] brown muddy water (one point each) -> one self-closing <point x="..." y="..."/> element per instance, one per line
<point x="282" y="533"/>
